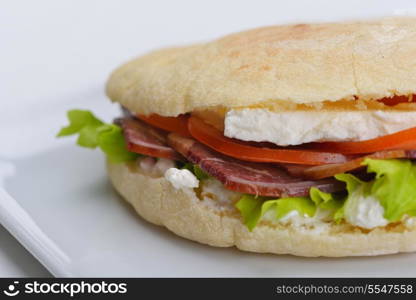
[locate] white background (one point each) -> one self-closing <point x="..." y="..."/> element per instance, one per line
<point x="59" y="53"/>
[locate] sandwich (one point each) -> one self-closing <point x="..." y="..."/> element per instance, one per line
<point x="295" y="139"/>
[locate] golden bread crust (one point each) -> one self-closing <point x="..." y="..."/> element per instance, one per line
<point x="303" y="63"/>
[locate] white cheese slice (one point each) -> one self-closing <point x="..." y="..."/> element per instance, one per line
<point x="298" y="127"/>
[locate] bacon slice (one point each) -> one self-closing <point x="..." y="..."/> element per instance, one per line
<point x="329" y="170"/>
<point x="248" y="177"/>
<point x="144" y="139"/>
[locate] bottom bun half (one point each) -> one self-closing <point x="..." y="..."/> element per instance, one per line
<point x="185" y="214"/>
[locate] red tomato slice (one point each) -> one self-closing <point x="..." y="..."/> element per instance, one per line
<point x="162" y="152"/>
<point x="397" y="100"/>
<point x="213" y="138"/>
<point x="177" y="124"/>
<point x="402" y="140"/>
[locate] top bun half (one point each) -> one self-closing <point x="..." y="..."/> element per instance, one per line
<point x="303" y="63"/>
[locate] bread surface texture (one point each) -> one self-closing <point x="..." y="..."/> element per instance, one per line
<point x="300" y="63"/>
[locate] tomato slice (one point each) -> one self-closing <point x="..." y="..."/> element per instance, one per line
<point x="214" y="138"/>
<point x="397" y="100"/>
<point x="177" y="124"/>
<point x="402" y="140"/>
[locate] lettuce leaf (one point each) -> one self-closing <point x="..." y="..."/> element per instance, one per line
<point x="85" y="124"/>
<point x="332" y="202"/>
<point x="352" y="183"/>
<point x="303" y="205"/>
<point x="394" y="186"/>
<point x="111" y="141"/>
<point x="250" y="208"/>
<point x="253" y="208"/>
<point x="93" y="133"/>
<point x="318" y="197"/>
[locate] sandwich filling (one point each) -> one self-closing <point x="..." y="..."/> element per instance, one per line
<point x="304" y="126"/>
<point x="353" y="167"/>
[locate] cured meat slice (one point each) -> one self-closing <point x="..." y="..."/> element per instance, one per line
<point x="144" y="139"/>
<point x="329" y="170"/>
<point x="248" y="177"/>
